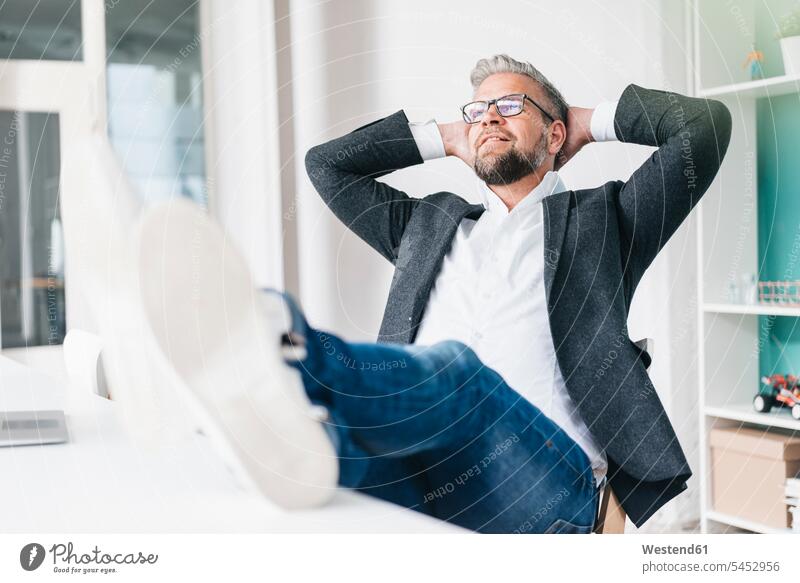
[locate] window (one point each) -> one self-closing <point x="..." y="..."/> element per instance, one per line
<point x="31" y="247"/>
<point x="49" y="29"/>
<point x="155" y="110"/>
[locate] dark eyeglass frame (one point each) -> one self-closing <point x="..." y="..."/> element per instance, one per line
<point x="491" y="102"/>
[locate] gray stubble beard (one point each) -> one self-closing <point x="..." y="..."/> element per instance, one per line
<point x="511" y="166"/>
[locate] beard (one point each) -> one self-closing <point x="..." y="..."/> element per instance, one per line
<point x="510" y="166"/>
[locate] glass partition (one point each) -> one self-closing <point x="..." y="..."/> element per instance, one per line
<point x="32" y="311"/>
<point x="155" y="108"/>
<point x="40" y="30"/>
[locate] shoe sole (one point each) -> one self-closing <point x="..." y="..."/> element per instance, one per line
<point x="219" y="334"/>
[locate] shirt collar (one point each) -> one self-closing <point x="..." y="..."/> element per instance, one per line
<point x="550" y="184"/>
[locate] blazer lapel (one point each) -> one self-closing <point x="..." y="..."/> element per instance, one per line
<point x="556" y="213"/>
<point x="422" y="251"/>
<point x="431" y="250"/>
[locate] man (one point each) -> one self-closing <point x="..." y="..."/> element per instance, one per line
<point x="430" y="428"/>
<point x="539" y="279"/>
<point x="489" y="402"/>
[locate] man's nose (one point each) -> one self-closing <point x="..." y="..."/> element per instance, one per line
<point x="492" y="117"/>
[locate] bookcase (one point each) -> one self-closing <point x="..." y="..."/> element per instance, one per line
<point x="748" y="227"/>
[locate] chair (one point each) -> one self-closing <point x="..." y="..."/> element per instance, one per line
<point x="611" y="516"/>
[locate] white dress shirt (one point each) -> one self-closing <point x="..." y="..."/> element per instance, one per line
<point x="490" y="293"/>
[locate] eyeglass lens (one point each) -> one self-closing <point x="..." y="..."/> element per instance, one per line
<point x="506" y="106"/>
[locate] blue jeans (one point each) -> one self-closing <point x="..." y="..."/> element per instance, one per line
<point x="435" y="430"/>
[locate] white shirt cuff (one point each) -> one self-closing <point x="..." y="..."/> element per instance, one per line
<point x="428" y="139"/>
<point x="603" y="122"/>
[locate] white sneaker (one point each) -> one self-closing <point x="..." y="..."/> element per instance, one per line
<point x="222" y="337"/>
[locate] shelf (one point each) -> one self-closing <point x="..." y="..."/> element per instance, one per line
<point x="752" y="309"/>
<point x="744" y="523"/>
<point x="744" y="412"/>
<point x="738" y="341"/>
<point x="770" y="87"/>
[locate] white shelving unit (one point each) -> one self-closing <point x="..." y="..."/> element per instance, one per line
<point x="731" y="520"/>
<point x="771" y="87"/>
<point x="743" y="411"/>
<point x="751" y="310"/>
<point x="729" y="339"/>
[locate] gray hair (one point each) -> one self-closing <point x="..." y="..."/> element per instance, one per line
<point x="505" y="64"/>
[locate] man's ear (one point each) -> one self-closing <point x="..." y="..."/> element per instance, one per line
<point x="558" y="135"/>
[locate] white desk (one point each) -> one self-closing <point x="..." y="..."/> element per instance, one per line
<point x="101" y="482"/>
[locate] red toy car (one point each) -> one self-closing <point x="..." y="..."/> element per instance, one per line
<point x="778" y="390"/>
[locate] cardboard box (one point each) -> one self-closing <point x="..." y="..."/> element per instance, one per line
<point x="749" y="468"/>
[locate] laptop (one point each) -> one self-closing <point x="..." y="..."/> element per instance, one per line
<point x="32" y="428"/>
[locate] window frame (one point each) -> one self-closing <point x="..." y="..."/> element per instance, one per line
<point x="77" y="92"/>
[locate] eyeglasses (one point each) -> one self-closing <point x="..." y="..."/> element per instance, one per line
<point x="507" y="106"/>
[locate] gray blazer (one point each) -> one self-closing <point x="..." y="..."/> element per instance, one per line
<point x="598" y="244"/>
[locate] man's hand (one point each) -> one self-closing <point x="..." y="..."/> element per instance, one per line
<point x="456" y="141"/>
<point x="579" y="133"/>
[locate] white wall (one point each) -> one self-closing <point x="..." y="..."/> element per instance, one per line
<point x="237" y="40"/>
<point x="346" y="63"/>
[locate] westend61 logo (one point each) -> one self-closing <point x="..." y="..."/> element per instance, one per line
<point x="66" y="560"/>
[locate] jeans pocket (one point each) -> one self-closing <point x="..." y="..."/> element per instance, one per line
<point x="561" y="526"/>
<point x="573" y="457"/>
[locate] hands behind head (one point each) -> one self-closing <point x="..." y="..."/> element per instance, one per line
<point x="455" y="136"/>
<point x="579" y="133"/>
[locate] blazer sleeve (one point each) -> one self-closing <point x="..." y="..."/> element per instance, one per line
<point x="344" y="173"/>
<point x="692" y="137"/>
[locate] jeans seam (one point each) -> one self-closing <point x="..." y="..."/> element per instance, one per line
<point x="564" y="521"/>
<point x="577" y="474"/>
